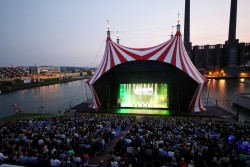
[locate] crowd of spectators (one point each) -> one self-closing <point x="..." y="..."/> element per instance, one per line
<point x="157" y="141"/>
<point x="59" y="141"/>
<point x="182" y="142"/>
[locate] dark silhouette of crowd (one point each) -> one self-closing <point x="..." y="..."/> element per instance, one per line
<point x="59" y="141"/>
<point x="157" y="141"/>
<point x="182" y="142"/>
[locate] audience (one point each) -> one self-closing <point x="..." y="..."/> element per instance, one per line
<point x="59" y="141"/>
<point x="159" y="141"/>
<point x="183" y="141"/>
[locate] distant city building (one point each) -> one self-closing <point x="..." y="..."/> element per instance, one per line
<point x="33" y="70"/>
<point x="11" y="72"/>
<point x="45" y="70"/>
<point x="26" y="80"/>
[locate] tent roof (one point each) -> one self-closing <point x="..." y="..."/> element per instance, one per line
<point x="172" y="52"/>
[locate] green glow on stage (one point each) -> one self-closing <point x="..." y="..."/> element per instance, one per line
<point x="142" y="111"/>
<point x="144" y="95"/>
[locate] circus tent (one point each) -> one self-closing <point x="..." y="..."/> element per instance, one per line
<point x="171" y="52"/>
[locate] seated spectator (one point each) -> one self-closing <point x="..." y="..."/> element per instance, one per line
<point x="182" y="163"/>
<point x="54" y="162"/>
<point x="114" y="163"/>
<point x="3" y="157"/>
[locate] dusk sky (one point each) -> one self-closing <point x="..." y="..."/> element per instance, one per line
<point x="73" y="33"/>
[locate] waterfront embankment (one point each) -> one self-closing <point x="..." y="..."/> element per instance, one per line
<point x="15" y="87"/>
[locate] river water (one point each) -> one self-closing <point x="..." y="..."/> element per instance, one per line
<point x="60" y="97"/>
<point x="220" y="92"/>
<point x="46" y="99"/>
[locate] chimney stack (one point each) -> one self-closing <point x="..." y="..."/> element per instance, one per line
<point x="232" y="42"/>
<point x="187" y="43"/>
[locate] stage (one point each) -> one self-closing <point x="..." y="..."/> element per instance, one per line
<point x="212" y="111"/>
<point x="142" y="111"/>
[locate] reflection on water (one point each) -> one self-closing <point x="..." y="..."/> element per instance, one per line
<point x="46" y="99"/>
<point x="222" y="90"/>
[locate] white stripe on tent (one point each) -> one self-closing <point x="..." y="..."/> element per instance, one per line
<point x="109" y="57"/>
<point x="116" y="59"/>
<point x="196" y="72"/>
<point x="102" y="67"/>
<point x="143" y="52"/>
<point x="169" y="56"/>
<point x="156" y="56"/>
<point x="199" y="76"/>
<point x="186" y="64"/>
<point x="178" y="55"/>
<point x="92" y="80"/>
<point x="197" y="100"/>
<point x="125" y="55"/>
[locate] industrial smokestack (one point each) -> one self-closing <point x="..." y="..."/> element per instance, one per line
<point x="187" y="42"/>
<point x="232" y="43"/>
<point x="232" y="23"/>
<point x="187" y="22"/>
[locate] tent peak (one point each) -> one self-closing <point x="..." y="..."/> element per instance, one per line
<point x="108" y="26"/>
<point x="117" y="38"/>
<point x="178" y="27"/>
<point x="172" y="32"/>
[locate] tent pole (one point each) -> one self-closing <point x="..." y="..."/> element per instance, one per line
<point x="86" y="91"/>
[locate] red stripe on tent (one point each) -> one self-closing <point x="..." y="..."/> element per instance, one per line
<point x="178" y="33"/>
<point x="190" y="68"/>
<point x="202" y="108"/>
<point x="94" y="78"/>
<point x="121" y="58"/>
<point x="105" y="66"/>
<point x="181" y="60"/>
<point x="165" y="53"/>
<point x="189" y="62"/>
<point x="112" y="61"/>
<point x="108" y="39"/>
<point x="98" y="104"/>
<point x="173" y="60"/>
<point x="133" y="55"/>
<point x="192" y="105"/>
<point x="151" y="54"/>
<point x="140" y="49"/>
<point x="106" y="62"/>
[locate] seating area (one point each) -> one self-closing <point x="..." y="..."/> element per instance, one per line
<point x="183" y="141"/>
<point x="105" y="140"/>
<point x="59" y="141"/>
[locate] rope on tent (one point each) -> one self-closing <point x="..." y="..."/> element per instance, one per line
<point x="98" y="52"/>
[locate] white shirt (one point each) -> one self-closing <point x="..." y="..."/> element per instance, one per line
<point x="2" y="157"/>
<point x="40" y="142"/>
<point x="55" y="162"/>
<point x="170" y="153"/>
<point x="114" y="164"/>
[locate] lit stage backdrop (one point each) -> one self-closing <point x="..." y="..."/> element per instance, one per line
<point x="144" y="95"/>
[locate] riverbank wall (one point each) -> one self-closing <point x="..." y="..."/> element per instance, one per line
<point x="242" y="99"/>
<point x="39" y="84"/>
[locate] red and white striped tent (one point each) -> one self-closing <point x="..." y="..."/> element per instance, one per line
<point x="172" y="52"/>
